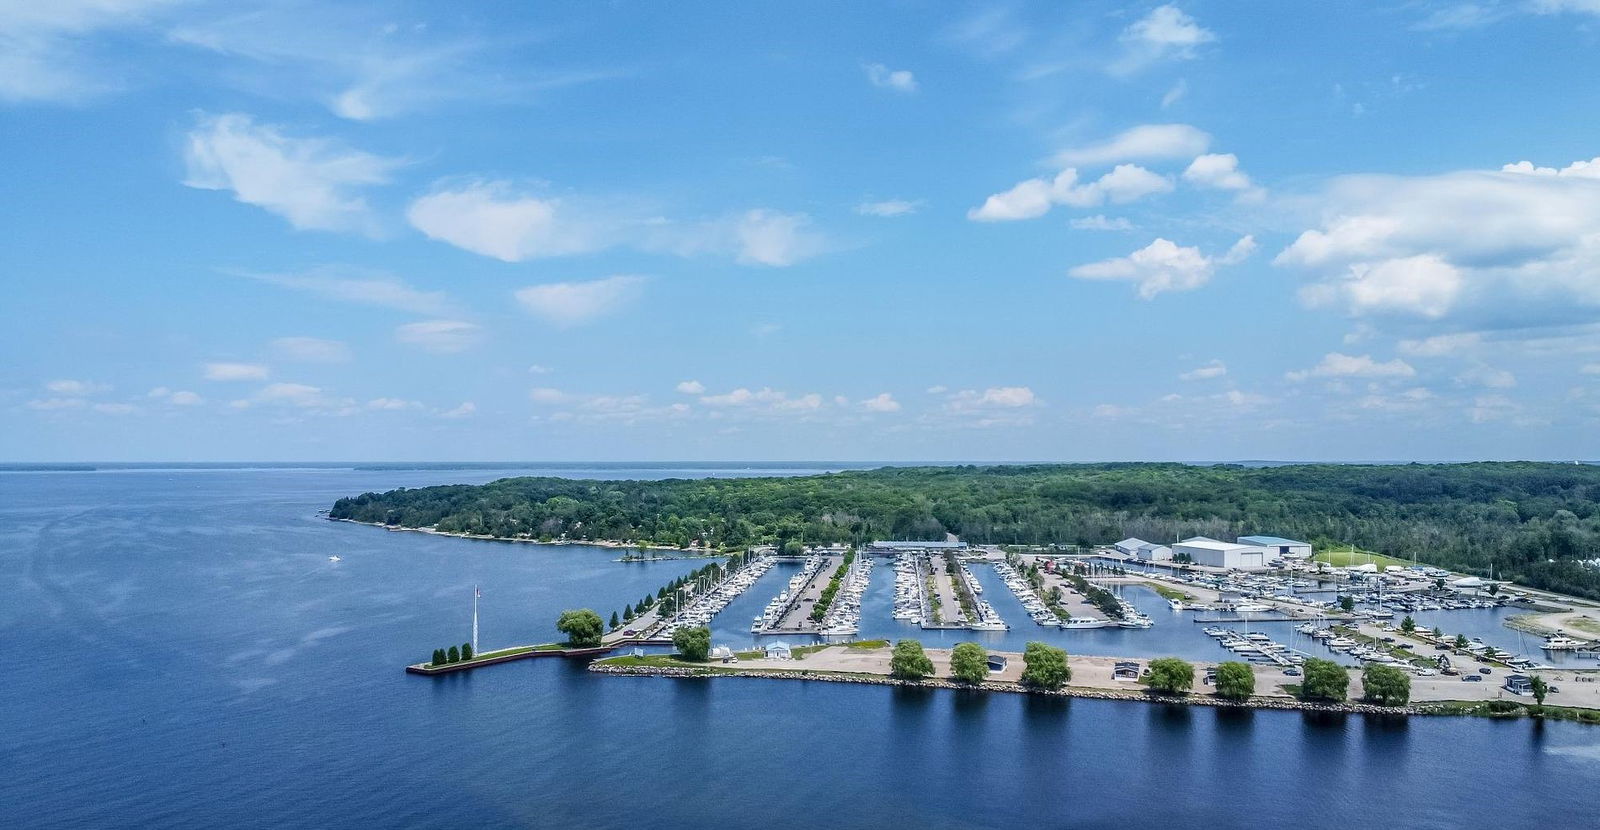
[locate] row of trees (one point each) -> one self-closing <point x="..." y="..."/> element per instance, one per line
<point x="825" y="599"/>
<point x="1534" y="522"/>
<point x="1044" y="666"/>
<point x="453" y="654"/>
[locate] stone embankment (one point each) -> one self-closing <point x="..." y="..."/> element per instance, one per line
<point x="1016" y="688"/>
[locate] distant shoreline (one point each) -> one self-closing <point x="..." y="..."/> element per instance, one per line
<point x="697" y="553"/>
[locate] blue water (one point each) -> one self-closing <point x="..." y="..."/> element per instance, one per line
<point x="183" y="654"/>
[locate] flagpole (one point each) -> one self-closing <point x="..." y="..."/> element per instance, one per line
<point x="475" y="594"/>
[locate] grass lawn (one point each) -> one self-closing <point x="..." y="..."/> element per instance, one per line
<point x="1588" y="624"/>
<point x="1167" y="591"/>
<point x="1350" y="556"/>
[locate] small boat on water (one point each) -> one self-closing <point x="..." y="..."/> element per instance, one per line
<point x="334" y="558"/>
<point x="1177" y="604"/>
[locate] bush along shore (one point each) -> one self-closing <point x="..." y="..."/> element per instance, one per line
<point x="1504" y="709"/>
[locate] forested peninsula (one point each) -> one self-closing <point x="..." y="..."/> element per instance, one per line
<point x="1535" y="522"/>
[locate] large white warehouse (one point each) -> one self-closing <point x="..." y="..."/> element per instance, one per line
<point x="1286" y="548"/>
<point x="1215" y="554"/>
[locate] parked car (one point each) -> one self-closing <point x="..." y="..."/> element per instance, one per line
<point x="1483" y="671"/>
<point x="1472" y="678"/>
<point x="1291" y="672"/>
<point x="629" y="632"/>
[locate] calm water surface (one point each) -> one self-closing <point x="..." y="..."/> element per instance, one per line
<point x="185" y="655"/>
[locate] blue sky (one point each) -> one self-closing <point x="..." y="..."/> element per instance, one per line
<point x="894" y="231"/>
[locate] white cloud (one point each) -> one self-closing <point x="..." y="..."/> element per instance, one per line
<point x="1099" y="222"/>
<point x="176" y="398"/>
<point x="537" y="369"/>
<point x="392" y="404"/>
<point x="361" y="63"/>
<point x="488" y="218"/>
<point x="768" y="237"/>
<point x="882" y="402"/>
<point x="1217" y="170"/>
<point x="314" y="183"/>
<point x="1486" y="408"/>
<point x="43" y="54"/>
<point x="298" y="396"/>
<point x="493" y="220"/>
<point x="235" y="371"/>
<point x="888" y="208"/>
<point x="48" y="404"/>
<point x="1517" y="246"/>
<point x="1164" y="266"/>
<point x="764" y="399"/>
<point x="76" y="388"/>
<point x="899" y="80"/>
<point x="1590" y="369"/>
<point x="575" y="303"/>
<point x="1165" y="33"/>
<point x="1174" y="94"/>
<point x="311" y="349"/>
<point x="1440" y="345"/>
<point x="1337" y="365"/>
<point x="995" y="397"/>
<point x="439" y="336"/>
<point x="466" y="409"/>
<point x="1487" y="376"/>
<point x="548" y="395"/>
<point x="1033" y="198"/>
<point x="1213" y="369"/>
<point x="363" y="287"/>
<point x="1559" y="6"/>
<point x="692" y="387"/>
<point x="1147" y="141"/>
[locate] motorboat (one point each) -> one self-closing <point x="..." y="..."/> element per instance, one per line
<point x="1561" y="643"/>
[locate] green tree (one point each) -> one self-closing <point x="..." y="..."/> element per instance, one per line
<point x="1347" y="603"/>
<point x="616" y="621"/>
<point x="1169" y="675"/>
<point x="1045" y="666"/>
<point x="1539" y="689"/>
<point x="438" y="656"/>
<point x="466" y="651"/>
<point x="969" y="663"/>
<point x="1235" y="680"/>
<point x="1386" y="685"/>
<point x="909" y="661"/>
<point x="1438" y="633"/>
<point x="582" y="626"/>
<point x="1461" y="641"/>
<point x="693" y="644"/>
<point x="1324" y="680"/>
<point x="454" y="655"/>
<point x="1408" y="625"/>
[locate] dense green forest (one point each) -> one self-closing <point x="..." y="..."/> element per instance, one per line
<point x="1533" y="521"/>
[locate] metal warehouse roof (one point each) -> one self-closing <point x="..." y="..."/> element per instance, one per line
<point x="1270" y="540"/>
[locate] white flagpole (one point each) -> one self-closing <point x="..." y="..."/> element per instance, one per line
<point x="475" y="594"/>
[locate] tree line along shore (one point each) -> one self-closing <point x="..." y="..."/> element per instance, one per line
<point x="1532" y="522"/>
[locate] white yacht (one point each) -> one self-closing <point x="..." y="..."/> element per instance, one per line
<point x="1562" y="643"/>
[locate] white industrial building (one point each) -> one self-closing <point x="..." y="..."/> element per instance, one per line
<point x="1215" y="554"/>
<point x="1145" y="551"/>
<point x="1285" y="548"/>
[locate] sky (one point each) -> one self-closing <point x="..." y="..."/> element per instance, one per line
<point x="886" y="231"/>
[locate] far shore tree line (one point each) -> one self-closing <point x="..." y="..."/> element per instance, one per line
<point x="1532" y="523"/>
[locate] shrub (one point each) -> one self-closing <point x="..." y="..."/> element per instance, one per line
<point x="1324" y="680"/>
<point x="1169" y="675"/>
<point x="910" y="661"/>
<point x="969" y="663"/>
<point x="1386" y="685"/>
<point x="466" y="651"/>
<point x="583" y="627"/>
<point x="1045" y="666"/>
<point x="1235" y="680"/>
<point x="454" y="656"/>
<point x="693" y="644"/>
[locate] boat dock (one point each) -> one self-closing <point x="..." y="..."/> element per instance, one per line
<point x="795" y="616"/>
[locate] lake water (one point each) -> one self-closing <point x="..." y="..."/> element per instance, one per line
<point x="184" y="654"/>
